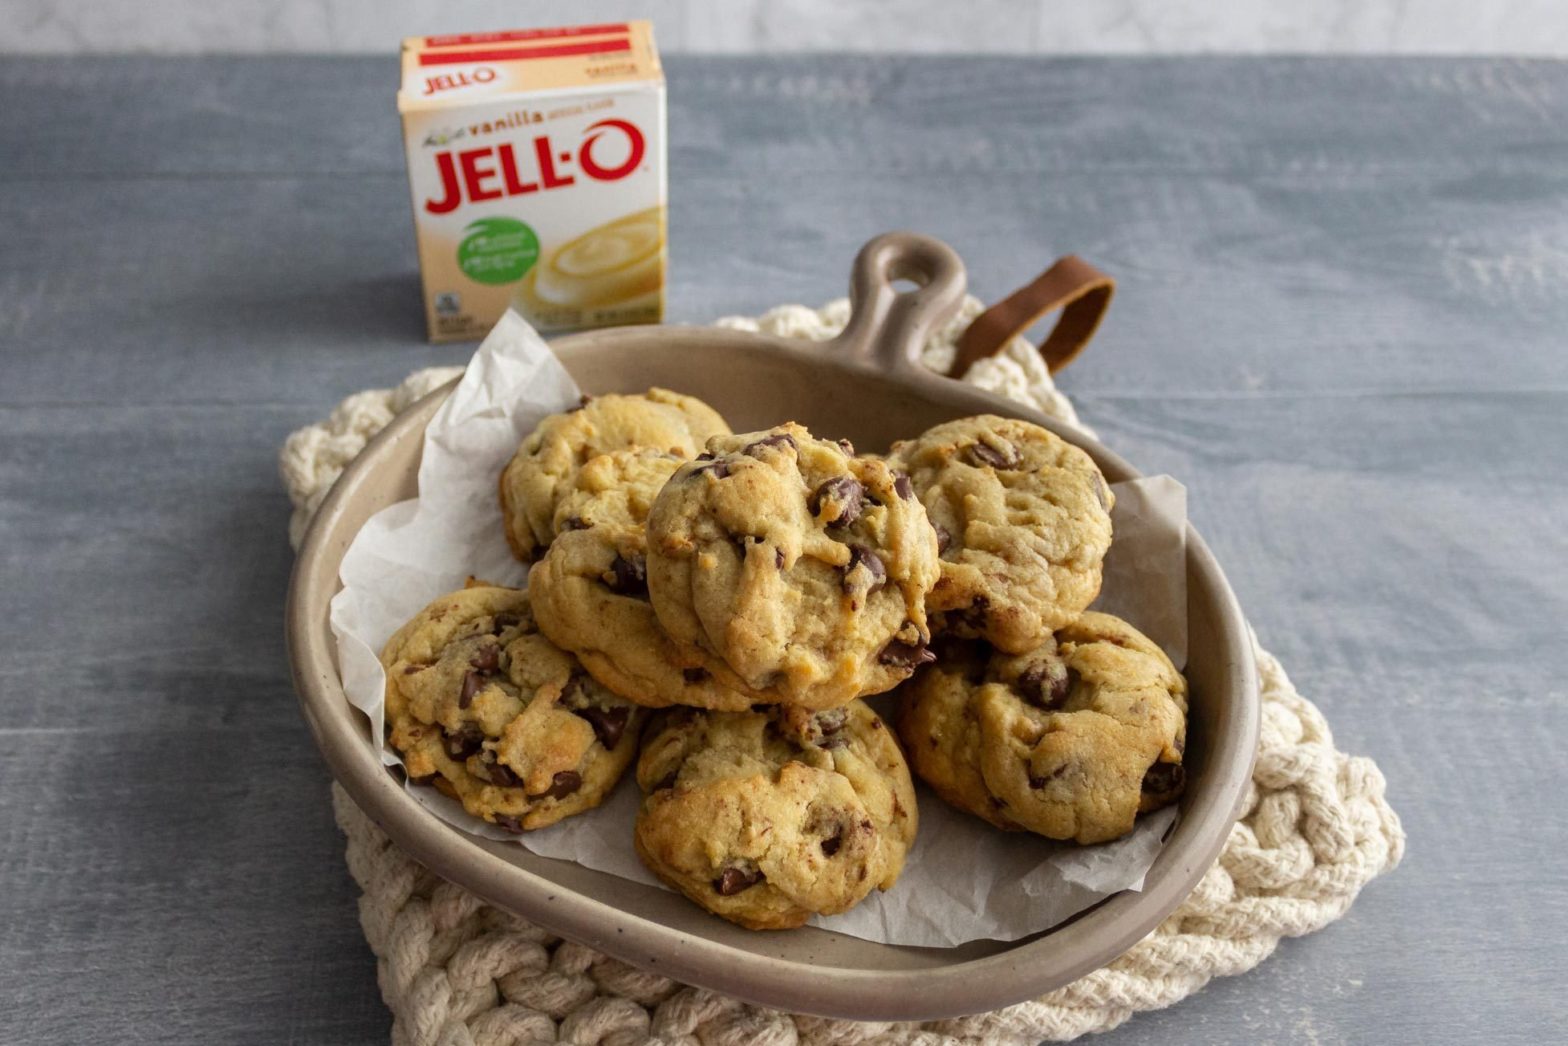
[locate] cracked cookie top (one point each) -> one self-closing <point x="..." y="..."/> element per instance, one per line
<point x="769" y="817"/>
<point x="800" y="567"/>
<point x="546" y="464"/>
<point x="490" y="712"/>
<point x="1071" y="740"/>
<point x="1024" y="522"/>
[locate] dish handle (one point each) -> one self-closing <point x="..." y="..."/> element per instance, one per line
<point x="1082" y="292"/>
<point x="888" y="326"/>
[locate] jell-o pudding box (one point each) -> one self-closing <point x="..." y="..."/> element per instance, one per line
<point x="537" y="167"/>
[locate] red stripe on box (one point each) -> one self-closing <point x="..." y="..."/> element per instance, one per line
<point x="511" y="54"/>
<point x="469" y="39"/>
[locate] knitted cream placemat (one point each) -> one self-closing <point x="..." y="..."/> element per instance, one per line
<point x="456" y="971"/>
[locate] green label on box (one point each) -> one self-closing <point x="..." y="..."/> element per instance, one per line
<point x="497" y="250"/>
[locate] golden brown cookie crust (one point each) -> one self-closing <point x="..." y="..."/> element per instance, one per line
<point x="1071" y="740"/>
<point x="766" y="818"/>
<point x="590" y="593"/>
<point x="1024" y="522"/>
<point x="486" y="709"/>
<point x="545" y="465"/>
<point x="799" y="567"/>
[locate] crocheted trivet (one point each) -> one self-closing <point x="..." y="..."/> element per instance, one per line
<point x="455" y="971"/>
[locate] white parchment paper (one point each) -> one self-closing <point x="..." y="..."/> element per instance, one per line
<point x="963" y="881"/>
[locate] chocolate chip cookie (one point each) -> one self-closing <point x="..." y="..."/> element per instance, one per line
<point x="1071" y="740"/>
<point x="794" y="567"/>
<point x="769" y="817"/>
<point x="590" y="591"/>
<point x="1024" y="520"/>
<point x="490" y="712"/>
<point x="542" y="471"/>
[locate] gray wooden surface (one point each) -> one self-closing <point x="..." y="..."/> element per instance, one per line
<point x="1344" y="302"/>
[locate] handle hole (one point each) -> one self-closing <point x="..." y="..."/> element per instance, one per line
<point x="906" y="275"/>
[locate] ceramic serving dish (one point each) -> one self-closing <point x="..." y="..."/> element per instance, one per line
<point x="868" y="385"/>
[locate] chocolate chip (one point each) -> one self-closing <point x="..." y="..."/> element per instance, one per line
<point x="846" y="492"/>
<point x="464" y="742"/>
<point x="500" y="774"/>
<point x="608" y="723"/>
<point x="864" y="557"/>
<point x="1063" y="686"/>
<point x="1041" y="782"/>
<point x="847" y="447"/>
<point x="473" y="682"/>
<point x="508" y="823"/>
<point x="901" y="484"/>
<point x="985" y="454"/>
<point x="1044" y="688"/>
<point x="487" y="658"/>
<point x="504" y="622"/>
<point x="409" y="670"/>
<point x="677" y="716"/>
<point x="732" y="881"/>
<point x="777" y="439"/>
<point x="778" y="558"/>
<point x="575" y="523"/>
<point x="900" y="654"/>
<point x="720" y="469"/>
<point x="974" y="614"/>
<point x="694" y="675"/>
<point x="562" y="785"/>
<point x="830" y="743"/>
<point x="830" y="845"/>
<point x="1164" y="779"/>
<point x="943" y="538"/>
<point x="576" y="688"/>
<point x="832" y="720"/>
<point x="629" y="576"/>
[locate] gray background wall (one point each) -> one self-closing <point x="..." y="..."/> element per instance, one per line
<point x="1531" y="27"/>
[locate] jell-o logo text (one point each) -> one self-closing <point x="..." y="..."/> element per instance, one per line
<point x="497" y="171"/>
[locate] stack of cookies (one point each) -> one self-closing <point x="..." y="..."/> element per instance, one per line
<point x="716" y="606"/>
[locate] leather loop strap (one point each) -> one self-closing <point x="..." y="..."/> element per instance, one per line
<point x="1081" y="291"/>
